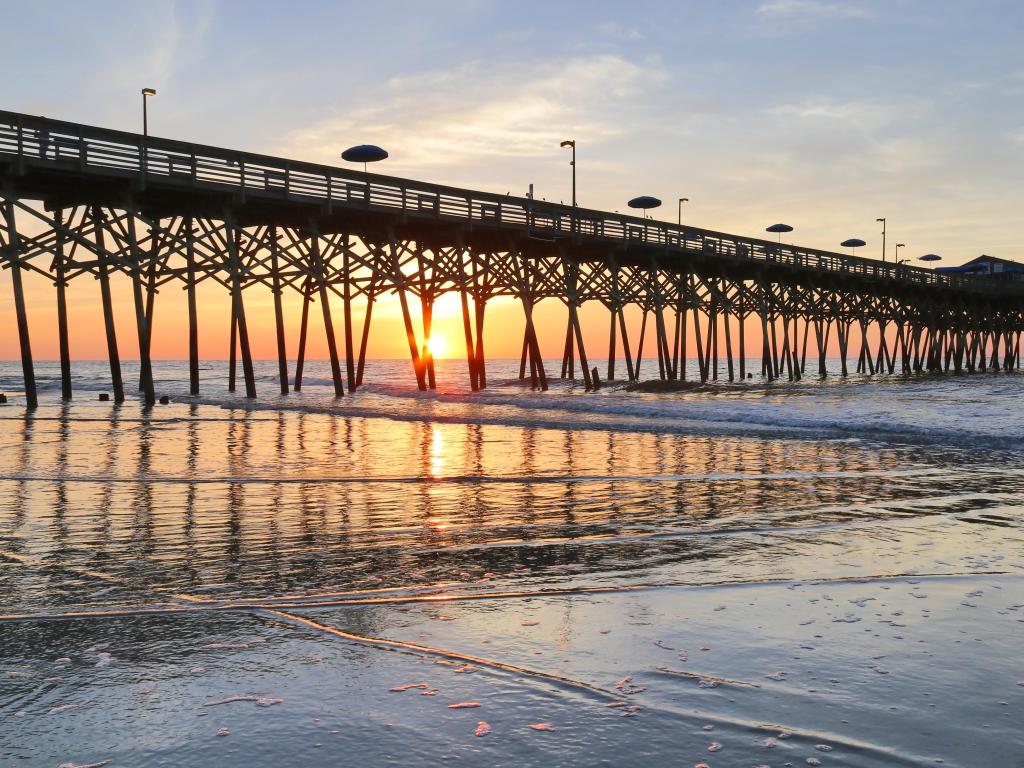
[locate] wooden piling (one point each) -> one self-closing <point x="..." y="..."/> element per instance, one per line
<point x="282" y="354"/>
<point x="467" y="329"/>
<point x="325" y="308"/>
<point x="346" y="297"/>
<point x="142" y="329"/>
<point x="300" y="359"/>
<point x="108" y="308"/>
<point x="62" y="306"/>
<point x="13" y="253"/>
<point x="238" y="305"/>
<point x="193" y="318"/>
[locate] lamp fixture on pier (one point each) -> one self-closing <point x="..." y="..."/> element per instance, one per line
<point x="681" y="201"/>
<point x="571" y="144"/>
<point x="146" y="93"/>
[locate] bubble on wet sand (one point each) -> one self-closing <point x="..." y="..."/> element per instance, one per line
<point x="223" y="731"/>
<point x="813" y="761"/>
<point x="99" y="764"/>
<point x="529" y="623"/>
<point x="61" y="708"/>
<point x="714" y="746"/>
<point x="542" y="726"/>
<point x="464" y="705"/>
<point x="225" y="646"/>
<point x="103" y="659"/>
<point x="482" y="729"/>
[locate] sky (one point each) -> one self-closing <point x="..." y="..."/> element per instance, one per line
<point x="824" y="114"/>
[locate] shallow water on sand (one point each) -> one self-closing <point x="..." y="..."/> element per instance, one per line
<point x="735" y="576"/>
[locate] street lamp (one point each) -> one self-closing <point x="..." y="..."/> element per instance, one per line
<point x="571" y="144"/>
<point x="681" y="201"/>
<point x="898" y="246"/>
<point x="146" y="92"/>
<point x="883" y="237"/>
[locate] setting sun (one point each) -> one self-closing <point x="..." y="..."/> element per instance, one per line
<point x="437" y="346"/>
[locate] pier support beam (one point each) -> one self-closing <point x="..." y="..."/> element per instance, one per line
<point x="325" y="308"/>
<point x="193" y="315"/>
<point x="346" y="297"/>
<point x="238" y="305"/>
<point x="98" y="220"/>
<point x="300" y="358"/>
<point x="141" y="325"/>
<point x="13" y="253"/>
<point x="62" y="306"/>
<point x="282" y="353"/>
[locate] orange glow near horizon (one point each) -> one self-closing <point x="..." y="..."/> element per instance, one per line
<point x="503" y="330"/>
<point x="438" y="346"/>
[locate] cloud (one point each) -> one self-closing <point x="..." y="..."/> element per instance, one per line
<point x="811" y="9"/>
<point x="616" y="31"/>
<point x="480" y="112"/>
<point x="1016" y="137"/>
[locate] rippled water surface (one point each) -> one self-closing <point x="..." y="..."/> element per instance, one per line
<point x="757" y="575"/>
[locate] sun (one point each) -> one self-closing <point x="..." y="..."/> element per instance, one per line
<point x="437" y="346"/>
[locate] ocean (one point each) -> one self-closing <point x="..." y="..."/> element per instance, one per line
<point x="752" y="574"/>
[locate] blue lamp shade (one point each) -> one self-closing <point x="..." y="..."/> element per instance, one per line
<point x="644" y="201"/>
<point x="853" y="242"/>
<point x="778" y="228"/>
<point x="364" y="153"/>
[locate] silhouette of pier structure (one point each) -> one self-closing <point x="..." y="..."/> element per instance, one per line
<point x="83" y="201"/>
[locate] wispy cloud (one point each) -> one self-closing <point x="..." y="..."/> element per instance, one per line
<point x="812" y="9"/>
<point x="480" y="112"/>
<point x="617" y="31"/>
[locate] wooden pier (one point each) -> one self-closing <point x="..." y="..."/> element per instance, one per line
<point x="79" y="200"/>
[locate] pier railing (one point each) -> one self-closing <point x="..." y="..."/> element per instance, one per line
<point x="29" y="141"/>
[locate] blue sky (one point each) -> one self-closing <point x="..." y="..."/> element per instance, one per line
<point x="824" y="114"/>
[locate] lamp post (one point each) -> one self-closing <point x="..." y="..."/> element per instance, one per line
<point x="571" y="144"/>
<point x="681" y="201"/>
<point x="146" y="93"/>
<point x="883" y="237"/>
<point x="898" y="246"/>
